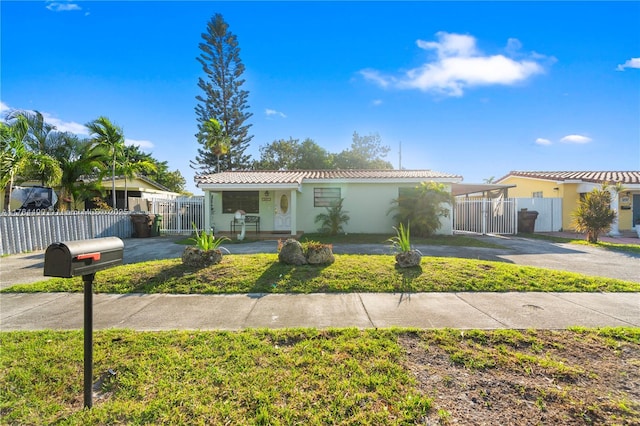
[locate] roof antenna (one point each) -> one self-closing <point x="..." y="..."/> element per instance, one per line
<point x="400" y="157"/>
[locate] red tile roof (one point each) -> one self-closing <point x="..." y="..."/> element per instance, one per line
<point x="630" y="177"/>
<point x="262" y="177"/>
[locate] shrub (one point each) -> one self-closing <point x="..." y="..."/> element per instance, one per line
<point x="422" y="206"/>
<point x="594" y="215"/>
<point x="333" y="219"/>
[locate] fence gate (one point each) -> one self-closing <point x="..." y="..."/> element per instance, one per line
<point x="178" y="214"/>
<point x="486" y="216"/>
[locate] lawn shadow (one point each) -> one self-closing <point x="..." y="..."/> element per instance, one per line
<point x="269" y="280"/>
<point x="406" y="276"/>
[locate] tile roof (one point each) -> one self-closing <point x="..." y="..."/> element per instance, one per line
<point x="629" y="177"/>
<point x="262" y="177"/>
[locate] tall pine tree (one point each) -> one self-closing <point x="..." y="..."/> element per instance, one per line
<point x="222" y="99"/>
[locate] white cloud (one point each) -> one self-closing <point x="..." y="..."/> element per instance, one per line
<point x="543" y="141"/>
<point x="631" y="63"/>
<point x="60" y="125"/>
<point x="460" y="65"/>
<point x="145" y="145"/>
<point x="272" y="112"/>
<point x="56" y="6"/>
<point x="65" y="126"/>
<point x="376" y="102"/>
<point x="579" y="139"/>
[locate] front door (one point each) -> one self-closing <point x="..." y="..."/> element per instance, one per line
<point x="283" y="211"/>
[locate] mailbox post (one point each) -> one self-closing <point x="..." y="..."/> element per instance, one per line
<point x="85" y="258"/>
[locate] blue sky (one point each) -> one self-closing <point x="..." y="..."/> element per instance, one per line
<point x="470" y="88"/>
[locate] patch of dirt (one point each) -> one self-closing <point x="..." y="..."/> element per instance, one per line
<point x="565" y="379"/>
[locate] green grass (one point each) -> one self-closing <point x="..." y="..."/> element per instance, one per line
<point x="250" y="377"/>
<point x="625" y="248"/>
<point x="262" y="273"/>
<point x="297" y="376"/>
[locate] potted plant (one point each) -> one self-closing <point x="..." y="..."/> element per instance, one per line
<point x="406" y="257"/>
<point x="206" y="252"/>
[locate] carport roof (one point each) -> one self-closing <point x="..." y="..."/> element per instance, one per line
<point x="458" y="189"/>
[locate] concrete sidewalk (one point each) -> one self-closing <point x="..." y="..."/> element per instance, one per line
<point x="363" y="310"/>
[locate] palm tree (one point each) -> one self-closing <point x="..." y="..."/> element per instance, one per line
<point x="17" y="160"/>
<point x="215" y="140"/>
<point x="13" y="154"/>
<point x="422" y="207"/>
<point x="41" y="139"/>
<point x="110" y="136"/>
<point x="129" y="169"/>
<point x="79" y="159"/>
<point x="331" y="222"/>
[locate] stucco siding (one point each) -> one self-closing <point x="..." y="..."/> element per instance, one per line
<point x="366" y="204"/>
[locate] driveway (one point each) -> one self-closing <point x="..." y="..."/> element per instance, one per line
<point x="26" y="268"/>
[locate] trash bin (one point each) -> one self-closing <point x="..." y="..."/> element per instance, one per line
<point x="527" y="221"/>
<point x="155" y="228"/>
<point x="142" y="225"/>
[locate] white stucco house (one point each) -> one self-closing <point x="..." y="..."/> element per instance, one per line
<point x="288" y="201"/>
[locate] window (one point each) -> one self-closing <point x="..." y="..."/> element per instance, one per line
<point x="240" y="200"/>
<point x="537" y="194"/>
<point x="325" y="197"/>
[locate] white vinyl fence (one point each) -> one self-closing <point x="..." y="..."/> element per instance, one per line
<point x="34" y="230"/>
<point x="486" y="216"/>
<point x="178" y="214"/>
<point x="549" y="212"/>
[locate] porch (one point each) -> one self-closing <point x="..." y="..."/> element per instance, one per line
<point x="260" y="236"/>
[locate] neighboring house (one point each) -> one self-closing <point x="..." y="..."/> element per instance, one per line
<point x="570" y="186"/>
<point x="139" y="189"/>
<point x="288" y="201"/>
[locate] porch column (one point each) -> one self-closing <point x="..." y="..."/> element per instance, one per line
<point x="294" y="212"/>
<point x="207" y="209"/>
<point x="615" y="231"/>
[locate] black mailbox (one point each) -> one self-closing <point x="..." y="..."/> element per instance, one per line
<point x="82" y="257"/>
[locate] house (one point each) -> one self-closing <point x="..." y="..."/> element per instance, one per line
<point x="139" y="189"/>
<point x="288" y="201"/>
<point x="571" y="186"/>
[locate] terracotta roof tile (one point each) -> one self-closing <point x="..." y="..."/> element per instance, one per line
<point x="612" y="177"/>
<point x="262" y="177"/>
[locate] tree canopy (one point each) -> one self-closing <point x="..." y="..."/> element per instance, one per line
<point x="366" y="152"/>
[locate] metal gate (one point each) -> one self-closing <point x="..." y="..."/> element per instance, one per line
<point x="486" y="216"/>
<point x="178" y="214"/>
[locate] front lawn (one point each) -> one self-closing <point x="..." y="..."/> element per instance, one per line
<point x="313" y="377"/>
<point x="262" y="273"/>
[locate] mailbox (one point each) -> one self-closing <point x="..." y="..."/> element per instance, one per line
<point x="82" y="257"/>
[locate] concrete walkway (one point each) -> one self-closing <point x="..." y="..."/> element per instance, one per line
<point x="363" y="310"/>
<point x="422" y="310"/>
